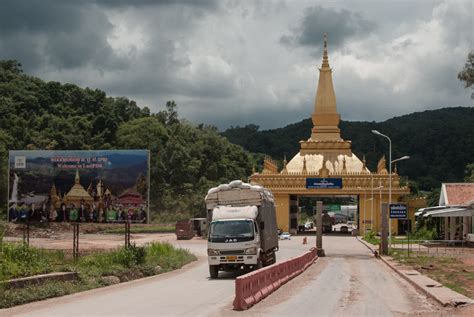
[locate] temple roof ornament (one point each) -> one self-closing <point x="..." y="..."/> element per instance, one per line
<point x="305" y="170"/>
<point x="323" y="171"/>
<point x="364" y="166"/>
<point x="344" y="169"/>
<point x="284" y="170"/>
<point x="381" y="168"/>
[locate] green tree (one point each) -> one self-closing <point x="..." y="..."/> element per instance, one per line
<point x="466" y="75"/>
<point x="469" y="173"/>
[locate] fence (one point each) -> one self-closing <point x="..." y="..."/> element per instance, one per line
<point x="434" y="246"/>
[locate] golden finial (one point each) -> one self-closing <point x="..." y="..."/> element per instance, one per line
<point x="395" y="169"/>
<point x="325" y="52"/>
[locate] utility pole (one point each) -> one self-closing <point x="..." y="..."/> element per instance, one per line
<point x="319" y="229"/>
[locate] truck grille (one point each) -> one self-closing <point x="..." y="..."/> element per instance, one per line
<point x="231" y="252"/>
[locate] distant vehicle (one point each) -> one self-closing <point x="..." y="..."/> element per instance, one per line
<point x="344" y="229"/>
<point x="242" y="229"/>
<point x="184" y="230"/>
<point x="285" y="236"/>
<point x="308" y="225"/>
<point x="199" y="226"/>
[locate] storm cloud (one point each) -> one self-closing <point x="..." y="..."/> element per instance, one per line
<point x="239" y="62"/>
<point x="341" y="24"/>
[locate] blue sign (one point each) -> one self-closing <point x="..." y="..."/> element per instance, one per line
<point x="317" y="183"/>
<point x="398" y="211"/>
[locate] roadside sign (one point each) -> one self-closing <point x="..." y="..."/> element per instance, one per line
<point x="317" y="183"/>
<point x="398" y="211"/>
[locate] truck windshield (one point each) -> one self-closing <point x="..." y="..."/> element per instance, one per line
<point x="231" y="231"/>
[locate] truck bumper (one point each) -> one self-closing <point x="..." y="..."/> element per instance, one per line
<point x="244" y="259"/>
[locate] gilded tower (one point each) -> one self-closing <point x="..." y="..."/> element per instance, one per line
<point x="326" y="156"/>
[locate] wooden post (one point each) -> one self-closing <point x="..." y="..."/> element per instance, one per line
<point x="127" y="233"/>
<point x="319" y="229"/>
<point x="75" y="242"/>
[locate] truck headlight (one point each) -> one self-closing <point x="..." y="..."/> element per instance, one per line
<point x="251" y="250"/>
<point x="212" y="252"/>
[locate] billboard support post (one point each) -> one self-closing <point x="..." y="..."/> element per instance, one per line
<point x="148" y="190"/>
<point x="26" y="232"/>
<point x="8" y="191"/>
<point x="75" y="242"/>
<point x="127" y="234"/>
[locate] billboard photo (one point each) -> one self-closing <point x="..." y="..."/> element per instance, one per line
<point x="79" y="186"/>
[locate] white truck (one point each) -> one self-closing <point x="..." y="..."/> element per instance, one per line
<point x="243" y="229"/>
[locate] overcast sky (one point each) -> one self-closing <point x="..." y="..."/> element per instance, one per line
<point x="240" y="62"/>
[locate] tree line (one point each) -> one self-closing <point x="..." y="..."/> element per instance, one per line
<point x="440" y="143"/>
<point x="186" y="159"/>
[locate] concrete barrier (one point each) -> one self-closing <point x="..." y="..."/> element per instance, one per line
<point x="255" y="286"/>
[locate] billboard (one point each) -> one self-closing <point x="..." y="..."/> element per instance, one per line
<point x="79" y="186"/>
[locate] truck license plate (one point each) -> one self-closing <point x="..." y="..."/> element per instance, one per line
<point x="231" y="258"/>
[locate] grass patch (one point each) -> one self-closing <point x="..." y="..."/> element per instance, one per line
<point x="447" y="270"/>
<point x="142" y="229"/>
<point x="370" y="237"/>
<point x="125" y="263"/>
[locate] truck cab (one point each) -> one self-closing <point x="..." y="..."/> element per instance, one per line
<point x="233" y="244"/>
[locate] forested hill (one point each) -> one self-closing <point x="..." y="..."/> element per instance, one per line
<point x="186" y="160"/>
<point x="439" y="142"/>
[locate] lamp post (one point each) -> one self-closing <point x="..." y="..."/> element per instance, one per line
<point x="363" y="221"/>
<point x="390" y="177"/>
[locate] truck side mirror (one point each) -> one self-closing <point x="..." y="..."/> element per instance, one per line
<point x="262" y="225"/>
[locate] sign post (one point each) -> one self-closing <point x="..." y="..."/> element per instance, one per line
<point x="384" y="242"/>
<point x="319" y="228"/>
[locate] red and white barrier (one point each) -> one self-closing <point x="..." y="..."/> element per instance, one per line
<point x="254" y="286"/>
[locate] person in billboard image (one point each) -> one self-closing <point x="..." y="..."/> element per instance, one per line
<point x="53" y="214"/>
<point x="101" y="215"/>
<point x="23" y="212"/>
<point x="44" y="213"/>
<point x="73" y="213"/>
<point x="83" y="213"/>
<point x="12" y="212"/>
<point x="63" y="214"/>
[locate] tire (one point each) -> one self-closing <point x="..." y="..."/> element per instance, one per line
<point x="214" y="271"/>
<point x="259" y="263"/>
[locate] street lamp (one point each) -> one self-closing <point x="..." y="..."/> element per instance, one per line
<point x="389" y="180"/>
<point x="390" y="177"/>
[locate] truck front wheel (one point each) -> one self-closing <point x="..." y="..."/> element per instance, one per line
<point x="214" y="271"/>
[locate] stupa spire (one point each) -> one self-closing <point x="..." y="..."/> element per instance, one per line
<point x="325" y="116"/>
<point x="77" y="179"/>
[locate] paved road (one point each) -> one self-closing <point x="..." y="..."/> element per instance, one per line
<point x="183" y="293"/>
<point x="349" y="281"/>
